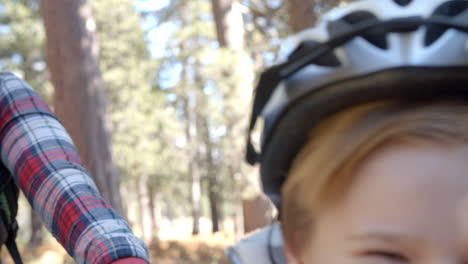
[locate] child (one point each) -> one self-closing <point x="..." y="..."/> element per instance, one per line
<point x="365" y="140"/>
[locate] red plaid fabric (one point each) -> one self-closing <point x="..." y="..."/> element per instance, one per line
<point x="40" y="155"/>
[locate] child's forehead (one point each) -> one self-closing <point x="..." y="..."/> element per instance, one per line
<point x="427" y="166"/>
<point x="410" y="187"/>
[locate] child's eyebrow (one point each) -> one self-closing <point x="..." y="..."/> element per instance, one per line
<point x="384" y="236"/>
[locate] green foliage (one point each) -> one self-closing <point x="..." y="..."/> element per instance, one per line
<point x="144" y="126"/>
<point x="22" y="40"/>
<point x="221" y="80"/>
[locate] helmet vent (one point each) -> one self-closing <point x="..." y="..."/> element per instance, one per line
<point x="375" y="37"/>
<point x="402" y="2"/>
<point x="330" y="59"/>
<point x="448" y="9"/>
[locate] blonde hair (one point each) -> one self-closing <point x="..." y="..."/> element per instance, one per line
<point x="322" y="170"/>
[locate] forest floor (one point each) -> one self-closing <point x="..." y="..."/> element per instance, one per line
<point x="196" y="250"/>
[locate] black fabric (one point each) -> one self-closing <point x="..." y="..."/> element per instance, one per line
<point x="9" y="194"/>
<point x="415" y="84"/>
<point x="455" y="8"/>
<point x="329" y="59"/>
<point x="14" y="252"/>
<point x="268" y="80"/>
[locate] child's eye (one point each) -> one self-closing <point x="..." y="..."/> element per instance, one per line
<point x="394" y="257"/>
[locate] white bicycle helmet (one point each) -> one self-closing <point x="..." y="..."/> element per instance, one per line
<point x="367" y="51"/>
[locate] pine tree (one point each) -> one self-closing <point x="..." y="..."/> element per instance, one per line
<point x="79" y="99"/>
<point x="144" y="126"/>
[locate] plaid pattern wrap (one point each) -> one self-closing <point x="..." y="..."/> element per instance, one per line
<point x="41" y="157"/>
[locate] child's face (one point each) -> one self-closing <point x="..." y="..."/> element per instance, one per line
<point x="407" y="204"/>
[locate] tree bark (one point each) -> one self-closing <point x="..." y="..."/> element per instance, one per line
<point x="139" y="204"/>
<point x="229" y="23"/>
<point x="301" y="14"/>
<point x="145" y="208"/>
<point x="189" y="101"/>
<point x="196" y="197"/>
<point x="214" y="198"/>
<point x="73" y="60"/>
<point x="238" y="204"/>
<point x="194" y="169"/>
<point x="37" y="236"/>
<point x="155" y="209"/>
<point x="230" y="31"/>
<point x="212" y="176"/>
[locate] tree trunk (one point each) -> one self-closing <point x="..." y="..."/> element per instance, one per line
<point x="155" y="209"/>
<point x="196" y="197"/>
<point x="212" y="176"/>
<point x="139" y="204"/>
<point x="37" y="235"/>
<point x="189" y="99"/>
<point x="194" y="168"/>
<point x="214" y="199"/>
<point x="301" y="14"/>
<point x="230" y="32"/>
<point x="238" y="204"/>
<point x="229" y="23"/>
<point x="145" y="208"/>
<point x="73" y="60"/>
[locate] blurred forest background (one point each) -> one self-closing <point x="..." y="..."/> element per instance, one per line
<point x="156" y="95"/>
